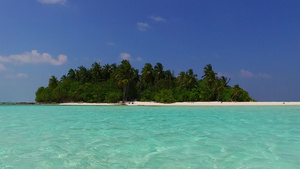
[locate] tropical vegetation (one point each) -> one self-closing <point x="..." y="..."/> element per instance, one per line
<point x="113" y="83"/>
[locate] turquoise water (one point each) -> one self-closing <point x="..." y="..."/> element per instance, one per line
<point x="149" y="137"/>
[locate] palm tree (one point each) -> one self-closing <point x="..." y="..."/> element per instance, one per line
<point x="236" y="91"/>
<point x="158" y="71"/>
<point x="147" y="76"/>
<point x="71" y="74"/>
<point x="108" y="70"/>
<point x="63" y="78"/>
<point x="209" y="75"/>
<point x="181" y="80"/>
<point x="219" y="85"/>
<point x="82" y="75"/>
<point x="168" y="80"/>
<point x="187" y="79"/>
<point x="96" y="72"/>
<point x="218" y="88"/>
<point x="123" y="74"/>
<point x="190" y="79"/>
<point x="225" y="81"/>
<point x="168" y="75"/>
<point x="53" y="82"/>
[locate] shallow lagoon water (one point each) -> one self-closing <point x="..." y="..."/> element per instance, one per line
<point x="149" y="137"/>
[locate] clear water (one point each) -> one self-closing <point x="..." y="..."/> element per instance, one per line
<point x="149" y="137"/>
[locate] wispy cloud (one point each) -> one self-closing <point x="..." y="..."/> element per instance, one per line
<point x="139" y="59"/>
<point x="142" y="26"/>
<point x="52" y="1"/>
<point x="2" y="67"/>
<point x="17" y="76"/>
<point x="263" y="75"/>
<point x="111" y="44"/>
<point x="33" y="57"/>
<point x="125" y="56"/>
<point x="157" y="19"/>
<point x="224" y="74"/>
<point x="248" y="74"/>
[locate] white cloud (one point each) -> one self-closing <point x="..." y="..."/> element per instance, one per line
<point x="52" y="1"/>
<point x="21" y="75"/>
<point x="2" y="67"/>
<point x="264" y="75"/>
<point x="33" y="57"/>
<point x="157" y="19"/>
<point x="17" y="76"/>
<point x="111" y="44"/>
<point x="246" y="74"/>
<point x="224" y="74"/>
<point x="125" y="56"/>
<point x="142" y="26"/>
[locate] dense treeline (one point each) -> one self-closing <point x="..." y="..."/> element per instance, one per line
<point x="112" y="83"/>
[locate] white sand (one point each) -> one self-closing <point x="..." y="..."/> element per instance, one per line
<point x="138" y="103"/>
<point x="89" y="104"/>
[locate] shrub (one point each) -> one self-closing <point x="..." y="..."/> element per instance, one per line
<point x="164" y="96"/>
<point x="113" y="97"/>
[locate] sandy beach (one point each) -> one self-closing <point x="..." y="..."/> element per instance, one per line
<point x="138" y="103"/>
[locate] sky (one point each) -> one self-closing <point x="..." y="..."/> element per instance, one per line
<point x="255" y="43"/>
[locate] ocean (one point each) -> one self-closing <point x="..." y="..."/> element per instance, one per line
<point x="41" y="136"/>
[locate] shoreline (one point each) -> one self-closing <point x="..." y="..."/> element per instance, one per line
<point x="139" y="103"/>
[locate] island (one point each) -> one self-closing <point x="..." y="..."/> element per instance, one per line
<point x="113" y="83"/>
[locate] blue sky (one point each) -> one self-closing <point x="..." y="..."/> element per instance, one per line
<point x="256" y="43"/>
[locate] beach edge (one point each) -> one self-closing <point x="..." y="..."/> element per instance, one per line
<point x="139" y="103"/>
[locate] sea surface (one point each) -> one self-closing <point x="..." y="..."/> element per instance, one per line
<point x="36" y="136"/>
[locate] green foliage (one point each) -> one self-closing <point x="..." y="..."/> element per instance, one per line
<point x="44" y="95"/>
<point x="147" y="77"/>
<point x="164" y="96"/>
<point x="113" y="97"/>
<point x="185" y="95"/>
<point x="209" y="75"/>
<point x="123" y="75"/>
<point x="147" y="95"/>
<point x="205" y="91"/>
<point x="39" y="94"/>
<point x="112" y="83"/>
<point x="60" y="94"/>
<point x="96" y="72"/>
<point x="239" y="94"/>
<point x="226" y="95"/>
<point x="53" y="82"/>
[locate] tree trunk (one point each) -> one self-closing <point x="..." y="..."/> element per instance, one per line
<point x="124" y="93"/>
<point x="126" y="97"/>
<point x="235" y="94"/>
